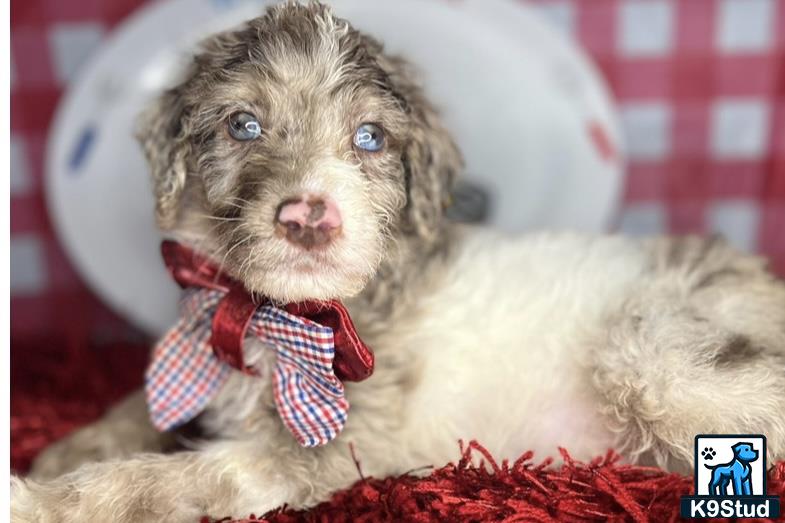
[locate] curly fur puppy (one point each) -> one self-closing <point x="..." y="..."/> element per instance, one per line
<point x="520" y="342"/>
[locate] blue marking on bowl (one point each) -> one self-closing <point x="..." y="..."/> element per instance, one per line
<point x="83" y="146"/>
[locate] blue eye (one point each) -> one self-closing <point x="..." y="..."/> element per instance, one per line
<point x="244" y="127"/>
<point x="369" y="137"/>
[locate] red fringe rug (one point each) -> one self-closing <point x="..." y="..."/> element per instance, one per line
<point x="52" y="394"/>
<point x="603" y="490"/>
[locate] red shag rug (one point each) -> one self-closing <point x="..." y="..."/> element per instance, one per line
<point x="52" y="394"/>
<point x="603" y="490"/>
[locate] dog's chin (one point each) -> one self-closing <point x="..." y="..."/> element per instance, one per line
<point x="285" y="274"/>
<point x="304" y="280"/>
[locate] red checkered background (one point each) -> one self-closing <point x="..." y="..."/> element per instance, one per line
<point x="701" y="89"/>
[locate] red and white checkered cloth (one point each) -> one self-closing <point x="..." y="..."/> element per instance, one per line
<point x="184" y="374"/>
<point x="700" y="84"/>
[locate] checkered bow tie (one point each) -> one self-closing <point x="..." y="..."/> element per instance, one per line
<point x="315" y="343"/>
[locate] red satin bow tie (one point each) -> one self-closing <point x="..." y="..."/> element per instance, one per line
<point x="353" y="359"/>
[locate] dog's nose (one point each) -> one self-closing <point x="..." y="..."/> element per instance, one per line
<point x="308" y="221"/>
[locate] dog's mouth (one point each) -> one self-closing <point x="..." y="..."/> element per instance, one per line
<point x="285" y="272"/>
<point x="309" y="263"/>
<point x="294" y="263"/>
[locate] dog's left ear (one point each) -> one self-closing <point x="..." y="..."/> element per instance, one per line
<point x="430" y="157"/>
<point x="164" y="138"/>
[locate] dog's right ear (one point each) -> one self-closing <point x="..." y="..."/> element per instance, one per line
<point x="163" y="134"/>
<point x="166" y="128"/>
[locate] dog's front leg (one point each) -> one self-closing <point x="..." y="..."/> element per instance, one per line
<point x="124" y="430"/>
<point x="234" y="478"/>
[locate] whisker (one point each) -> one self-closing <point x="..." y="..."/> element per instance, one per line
<point x="232" y="248"/>
<point x="232" y="204"/>
<point x="241" y="200"/>
<point x="219" y="218"/>
<point x="246" y="265"/>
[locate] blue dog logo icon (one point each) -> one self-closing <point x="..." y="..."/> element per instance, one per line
<point x="730" y="478"/>
<point x="737" y="472"/>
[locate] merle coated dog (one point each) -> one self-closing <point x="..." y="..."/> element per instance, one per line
<point x="307" y="162"/>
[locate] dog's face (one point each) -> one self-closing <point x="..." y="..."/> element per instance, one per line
<point x="297" y="150"/>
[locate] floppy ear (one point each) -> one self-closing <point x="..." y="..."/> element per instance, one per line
<point x="163" y="135"/>
<point x="431" y="161"/>
<point x="166" y="128"/>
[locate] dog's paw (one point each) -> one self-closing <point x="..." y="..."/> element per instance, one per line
<point x="64" y="456"/>
<point x="96" y="442"/>
<point x="708" y="453"/>
<point x="30" y="504"/>
<point x="20" y="501"/>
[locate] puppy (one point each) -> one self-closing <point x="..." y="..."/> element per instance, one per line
<point x="520" y="342"/>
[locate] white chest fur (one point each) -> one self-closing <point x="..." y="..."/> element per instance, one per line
<point x="501" y="342"/>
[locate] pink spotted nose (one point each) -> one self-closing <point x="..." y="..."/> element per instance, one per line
<point x="308" y="221"/>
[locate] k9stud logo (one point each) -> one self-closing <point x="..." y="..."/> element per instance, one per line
<point x="730" y="478"/>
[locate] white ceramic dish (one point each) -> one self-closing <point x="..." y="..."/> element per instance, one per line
<point x="519" y="98"/>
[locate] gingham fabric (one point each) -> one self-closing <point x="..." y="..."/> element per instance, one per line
<point x="184" y="374"/>
<point x="700" y="85"/>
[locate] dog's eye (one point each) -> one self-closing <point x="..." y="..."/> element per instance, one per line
<point x="244" y="127"/>
<point x="369" y="137"/>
